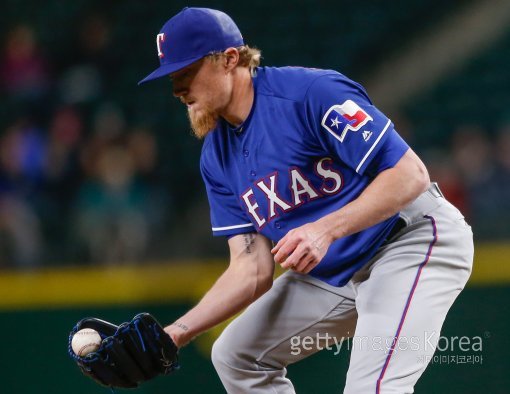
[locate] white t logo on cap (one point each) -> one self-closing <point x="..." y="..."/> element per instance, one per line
<point x="159" y="39"/>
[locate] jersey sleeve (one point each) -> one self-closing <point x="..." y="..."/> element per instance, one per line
<point x="227" y="216"/>
<point x="346" y="123"/>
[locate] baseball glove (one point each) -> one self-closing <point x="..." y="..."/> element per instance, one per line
<point x="129" y="354"/>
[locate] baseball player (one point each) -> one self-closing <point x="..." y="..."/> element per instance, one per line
<point x="301" y="169"/>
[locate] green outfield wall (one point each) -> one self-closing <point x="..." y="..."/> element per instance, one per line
<point x="38" y="309"/>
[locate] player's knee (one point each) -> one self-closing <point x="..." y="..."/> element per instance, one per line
<point x="229" y="351"/>
<point x="222" y="354"/>
<point x="216" y="353"/>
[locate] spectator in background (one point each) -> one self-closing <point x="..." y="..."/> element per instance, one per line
<point x="23" y="69"/>
<point x="65" y="134"/>
<point x="63" y="177"/>
<point x="22" y="162"/>
<point x="472" y="152"/>
<point x="443" y="170"/>
<point x="113" y="207"/>
<point x="20" y="233"/>
<point x="142" y="146"/>
<point x="90" y="63"/>
<point x="502" y="181"/>
<point x="111" y="210"/>
<point x="503" y="152"/>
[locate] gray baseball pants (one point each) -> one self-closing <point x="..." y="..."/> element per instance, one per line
<point x="393" y="308"/>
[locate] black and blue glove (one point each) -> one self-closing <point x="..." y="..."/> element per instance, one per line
<point x="129" y="354"/>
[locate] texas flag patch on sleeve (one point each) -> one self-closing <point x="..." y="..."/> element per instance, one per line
<point x="341" y="118"/>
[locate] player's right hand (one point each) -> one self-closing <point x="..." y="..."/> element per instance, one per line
<point x="129" y="354"/>
<point x="302" y="248"/>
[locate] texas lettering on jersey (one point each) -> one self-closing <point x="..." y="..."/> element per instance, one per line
<point x="301" y="191"/>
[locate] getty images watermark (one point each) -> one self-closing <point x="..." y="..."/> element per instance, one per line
<point x="468" y="350"/>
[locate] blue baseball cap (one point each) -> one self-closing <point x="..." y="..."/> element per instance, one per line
<point x="189" y="36"/>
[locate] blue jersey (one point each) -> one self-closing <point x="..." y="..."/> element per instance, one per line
<point x="311" y="144"/>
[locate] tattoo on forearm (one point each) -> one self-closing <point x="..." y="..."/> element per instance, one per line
<point x="182" y="326"/>
<point x="249" y="240"/>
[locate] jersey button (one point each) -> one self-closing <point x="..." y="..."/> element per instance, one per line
<point x="278" y="225"/>
<point x="246" y="153"/>
<point x="253" y="173"/>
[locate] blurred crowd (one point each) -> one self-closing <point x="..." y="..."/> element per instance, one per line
<point x="80" y="183"/>
<point x="77" y="182"/>
<point x="474" y="174"/>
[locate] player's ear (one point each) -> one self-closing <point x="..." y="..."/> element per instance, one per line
<point x="231" y="59"/>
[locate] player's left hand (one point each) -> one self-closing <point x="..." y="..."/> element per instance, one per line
<point x="302" y="248"/>
<point x="129" y="354"/>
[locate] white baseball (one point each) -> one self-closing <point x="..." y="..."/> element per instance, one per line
<point x="85" y="341"/>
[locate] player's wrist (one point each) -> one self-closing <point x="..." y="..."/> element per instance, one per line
<point x="331" y="227"/>
<point x="179" y="332"/>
